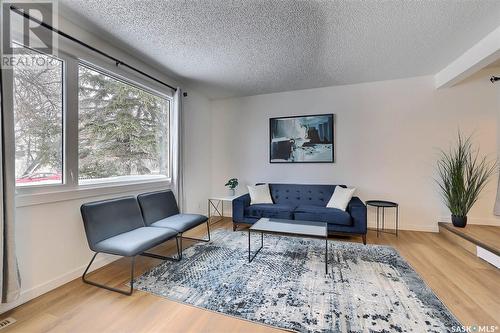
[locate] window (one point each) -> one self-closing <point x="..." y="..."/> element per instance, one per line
<point x="123" y="130"/>
<point x="77" y="124"/>
<point x="38" y="117"/>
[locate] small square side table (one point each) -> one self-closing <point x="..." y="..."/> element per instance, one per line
<point x="216" y="207"/>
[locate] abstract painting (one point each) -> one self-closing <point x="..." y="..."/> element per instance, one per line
<point x="302" y="139"/>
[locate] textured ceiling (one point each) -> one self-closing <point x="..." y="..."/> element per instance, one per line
<point x="248" y="47"/>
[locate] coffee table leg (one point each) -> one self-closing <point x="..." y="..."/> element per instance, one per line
<point x="326" y="255"/>
<point x="377" y="220"/>
<point x="397" y="220"/>
<point x="383" y="218"/>
<point x="250" y="257"/>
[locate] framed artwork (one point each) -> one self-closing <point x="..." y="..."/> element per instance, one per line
<point x="302" y="139"/>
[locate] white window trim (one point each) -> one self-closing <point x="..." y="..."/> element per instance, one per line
<point x="87" y="191"/>
<point x="71" y="189"/>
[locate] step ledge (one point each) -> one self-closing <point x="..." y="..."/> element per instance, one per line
<point x="456" y="231"/>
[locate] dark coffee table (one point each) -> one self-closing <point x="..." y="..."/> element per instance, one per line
<point x="309" y="229"/>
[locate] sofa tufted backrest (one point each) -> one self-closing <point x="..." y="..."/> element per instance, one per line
<point x="302" y="194"/>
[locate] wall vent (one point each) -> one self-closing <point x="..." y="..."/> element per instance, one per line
<point x="6" y="322"/>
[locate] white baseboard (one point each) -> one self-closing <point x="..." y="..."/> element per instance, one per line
<point x="412" y="227"/>
<point x="424" y="228"/>
<point x="474" y="220"/>
<point x="29" y="294"/>
<point x="488" y="256"/>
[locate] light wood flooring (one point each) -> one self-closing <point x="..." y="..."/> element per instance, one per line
<point x="486" y="236"/>
<point x="468" y="286"/>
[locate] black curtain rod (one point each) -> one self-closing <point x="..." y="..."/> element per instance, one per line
<point x="73" y="39"/>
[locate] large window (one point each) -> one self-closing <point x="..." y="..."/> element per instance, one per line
<point x="78" y="124"/>
<point x="38" y="116"/>
<point x="123" y="130"/>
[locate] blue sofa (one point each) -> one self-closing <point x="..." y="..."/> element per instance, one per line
<point x="303" y="202"/>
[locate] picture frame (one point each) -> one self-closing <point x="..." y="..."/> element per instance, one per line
<point x="302" y="139"/>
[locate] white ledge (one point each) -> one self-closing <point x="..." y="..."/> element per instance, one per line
<point x="80" y="192"/>
<point x="485" y="52"/>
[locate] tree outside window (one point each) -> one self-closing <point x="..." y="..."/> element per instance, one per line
<point x="123" y="129"/>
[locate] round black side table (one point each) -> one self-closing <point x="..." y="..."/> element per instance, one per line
<point x="384" y="204"/>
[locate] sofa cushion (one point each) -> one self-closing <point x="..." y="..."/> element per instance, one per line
<point x="341" y="198"/>
<point x="259" y="194"/>
<point x="280" y="211"/>
<point x="324" y="214"/>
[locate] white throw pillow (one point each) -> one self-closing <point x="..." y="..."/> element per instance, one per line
<point x="340" y="198"/>
<point x="260" y="194"/>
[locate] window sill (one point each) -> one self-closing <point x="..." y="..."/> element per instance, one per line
<point x="87" y="191"/>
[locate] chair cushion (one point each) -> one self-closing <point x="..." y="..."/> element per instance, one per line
<point x="108" y="218"/>
<point x="280" y="211"/>
<point x="134" y="242"/>
<point x="181" y="222"/>
<point x="323" y="214"/>
<point x="157" y="205"/>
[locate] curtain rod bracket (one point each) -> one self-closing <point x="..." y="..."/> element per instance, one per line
<point x="494" y="79"/>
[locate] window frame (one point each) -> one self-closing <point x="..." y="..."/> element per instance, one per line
<point x="73" y="56"/>
<point x="63" y="118"/>
<point x="139" y="178"/>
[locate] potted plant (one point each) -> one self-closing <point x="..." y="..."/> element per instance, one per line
<point x="462" y="175"/>
<point x="232" y="184"/>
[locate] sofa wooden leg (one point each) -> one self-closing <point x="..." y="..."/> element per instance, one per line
<point x="235" y="226"/>
<point x="364" y="239"/>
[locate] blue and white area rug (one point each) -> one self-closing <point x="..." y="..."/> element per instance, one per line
<point x="368" y="289"/>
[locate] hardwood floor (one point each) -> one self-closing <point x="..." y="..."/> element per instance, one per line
<point x="468" y="286"/>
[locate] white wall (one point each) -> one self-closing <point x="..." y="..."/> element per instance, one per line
<point x="50" y="239"/>
<point x="197" y="152"/>
<point x="387" y="139"/>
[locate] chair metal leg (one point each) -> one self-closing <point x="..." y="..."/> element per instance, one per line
<point x="157" y="256"/>
<point x="124" y="292"/>
<point x="194" y="239"/>
<point x="179" y="237"/>
<point x="198" y="239"/>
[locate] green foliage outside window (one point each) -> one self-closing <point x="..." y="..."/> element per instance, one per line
<point x="123" y="130"/>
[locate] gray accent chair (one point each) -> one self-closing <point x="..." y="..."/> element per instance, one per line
<point x="159" y="209"/>
<point x="116" y="227"/>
